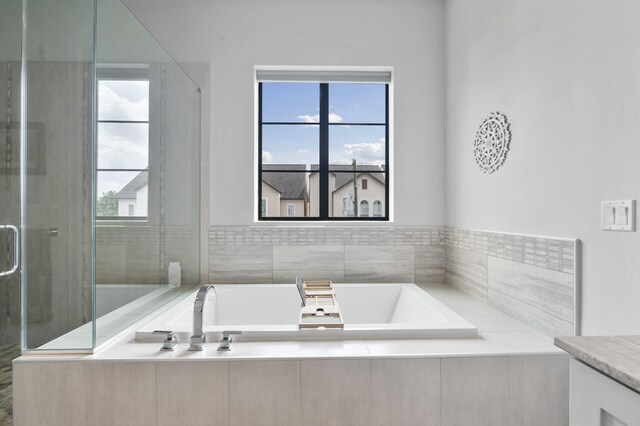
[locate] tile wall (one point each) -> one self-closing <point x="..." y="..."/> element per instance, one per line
<point x="345" y="254"/>
<point x="533" y="279"/>
<point x="530" y="278"/>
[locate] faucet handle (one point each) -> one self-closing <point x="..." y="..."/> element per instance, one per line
<point x="225" y="343"/>
<point x="170" y="340"/>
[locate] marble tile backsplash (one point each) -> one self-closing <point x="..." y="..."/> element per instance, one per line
<point x="533" y="279"/>
<point x="530" y="278"/>
<point x="557" y="254"/>
<point x="348" y="254"/>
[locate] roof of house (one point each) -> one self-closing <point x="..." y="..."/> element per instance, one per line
<point x="344" y="173"/>
<point x="130" y="189"/>
<point x="343" y="179"/>
<point x="291" y="186"/>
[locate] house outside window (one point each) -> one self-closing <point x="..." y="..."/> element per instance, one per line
<point x="264" y="206"/>
<point x="123" y="143"/>
<point x="321" y="140"/>
<point x="377" y="208"/>
<point x="364" y="208"/>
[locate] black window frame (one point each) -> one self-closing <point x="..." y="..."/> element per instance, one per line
<point x="124" y="74"/>
<point x="323" y="172"/>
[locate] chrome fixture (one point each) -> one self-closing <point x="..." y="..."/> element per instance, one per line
<point x="303" y="293"/>
<point x="16" y="249"/>
<point x="170" y="340"/>
<point x="199" y="340"/>
<point x="227" y="340"/>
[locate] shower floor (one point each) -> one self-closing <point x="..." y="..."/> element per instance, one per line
<point x="7" y="354"/>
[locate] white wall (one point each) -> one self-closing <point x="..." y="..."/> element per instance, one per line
<point x="567" y="75"/>
<point x="234" y="36"/>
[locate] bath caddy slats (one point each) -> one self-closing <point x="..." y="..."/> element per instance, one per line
<point x="321" y="308"/>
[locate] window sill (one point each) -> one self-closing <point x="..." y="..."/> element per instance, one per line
<point x="322" y="223"/>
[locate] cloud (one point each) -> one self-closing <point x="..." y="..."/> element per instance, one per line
<point x="267" y="157"/>
<point x="315" y="118"/>
<point x="123" y="146"/>
<point x="364" y="153"/>
<point x="123" y="100"/>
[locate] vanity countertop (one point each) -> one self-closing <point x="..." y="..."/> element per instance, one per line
<point x="615" y="356"/>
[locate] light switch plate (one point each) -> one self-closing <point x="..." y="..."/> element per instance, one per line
<point x="617" y="209"/>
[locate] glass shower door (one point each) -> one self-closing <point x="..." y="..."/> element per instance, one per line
<point x="9" y="172"/>
<point x="57" y="271"/>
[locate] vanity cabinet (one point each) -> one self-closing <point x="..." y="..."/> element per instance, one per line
<point x="598" y="400"/>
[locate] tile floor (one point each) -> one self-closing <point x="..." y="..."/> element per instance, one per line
<point x="7" y="354"/>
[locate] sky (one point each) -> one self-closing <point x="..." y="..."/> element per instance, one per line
<point x="299" y="103"/>
<point x="122" y="145"/>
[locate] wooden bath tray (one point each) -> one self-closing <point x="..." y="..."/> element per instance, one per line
<point x="320" y="309"/>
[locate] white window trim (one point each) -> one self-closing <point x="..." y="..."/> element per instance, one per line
<point x="391" y="174"/>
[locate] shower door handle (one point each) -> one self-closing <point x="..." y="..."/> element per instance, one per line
<point x="16" y="249"/>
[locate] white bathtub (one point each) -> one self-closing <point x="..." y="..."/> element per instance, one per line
<point x="272" y="312"/>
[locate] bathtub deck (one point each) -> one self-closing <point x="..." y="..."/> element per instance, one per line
<point x="498" y="335"/>
<point x="355" y="382"/>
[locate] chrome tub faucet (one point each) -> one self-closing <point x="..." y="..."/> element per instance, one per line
<point x="199" y="340"/>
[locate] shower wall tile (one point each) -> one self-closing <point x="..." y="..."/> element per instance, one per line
<point x="373" y="263"/>
<point x="537" y="296"/>
<point x="241" y="264"/>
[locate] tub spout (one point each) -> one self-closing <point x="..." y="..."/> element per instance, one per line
<point x="199" y="340"/>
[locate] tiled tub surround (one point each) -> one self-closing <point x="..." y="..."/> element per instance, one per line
<point x="275" y="254"/>
<point x="509" y="375"/>
<point x="534" y="279"/>
<point x="531" y="278"/>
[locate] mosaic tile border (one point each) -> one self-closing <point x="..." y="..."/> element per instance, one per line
<point x="550" y="253"/>
<point x="297" y="236"/>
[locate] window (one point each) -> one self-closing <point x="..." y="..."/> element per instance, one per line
<point x="123" y="143"/>
<point x="364" y="208"/>
<point x="291" y="210"/>
<point x="265" y="206"/>
<point x="377" y="208"/>
<point x="316" y="141"/>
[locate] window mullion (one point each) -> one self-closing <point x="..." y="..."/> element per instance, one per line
<point x="324" y="151"/>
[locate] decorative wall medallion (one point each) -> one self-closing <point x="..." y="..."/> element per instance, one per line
<point x="492" y="142"/>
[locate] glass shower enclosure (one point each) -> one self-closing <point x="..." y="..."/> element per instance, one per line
<point x="100" y="175"/>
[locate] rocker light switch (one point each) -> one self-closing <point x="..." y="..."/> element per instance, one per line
<point x="609" y="215"/>
<point x="617" y="215"/>
<point x="621" y="215"/>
